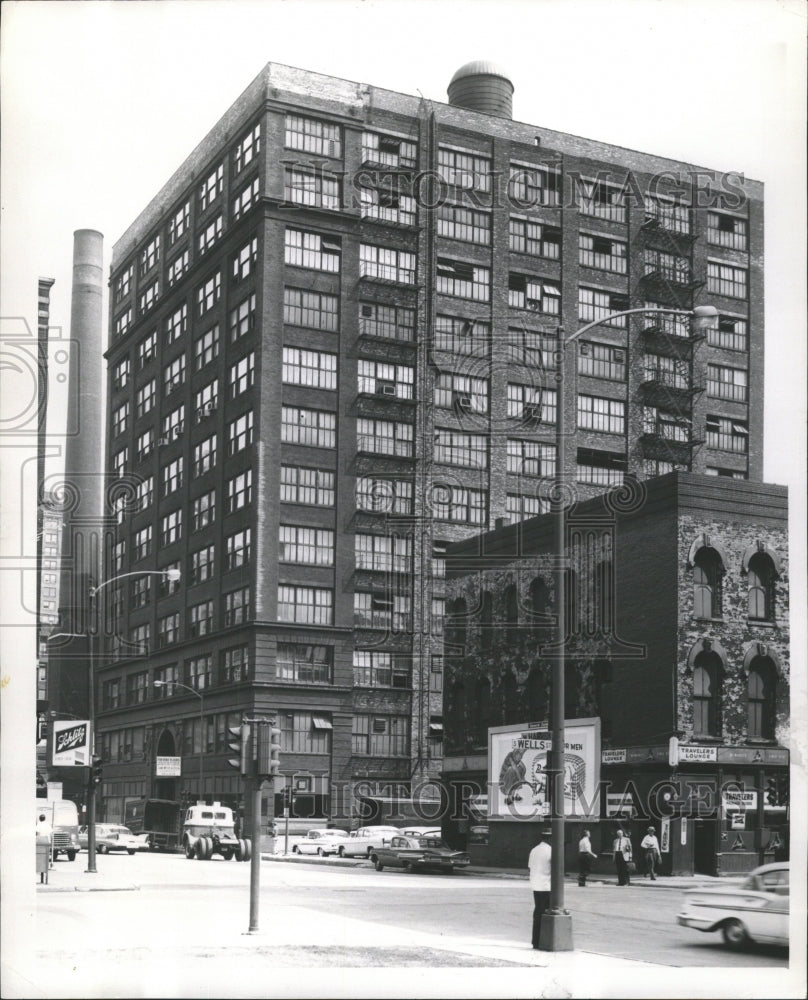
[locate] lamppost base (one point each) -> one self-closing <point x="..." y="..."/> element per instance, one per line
<point x="556" y="931"/>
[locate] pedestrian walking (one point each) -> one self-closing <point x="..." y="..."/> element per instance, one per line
<point x="538" y="865"/>
<point x="650" y="849"/>
<point x="623" y="858"/>
<point x="585" y="857"/>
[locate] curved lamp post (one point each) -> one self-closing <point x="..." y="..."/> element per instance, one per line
<point x="556" y="927"/>
<point x="201" y="697"/>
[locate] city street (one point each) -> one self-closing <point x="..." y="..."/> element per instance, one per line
<point x="317" y="918"/>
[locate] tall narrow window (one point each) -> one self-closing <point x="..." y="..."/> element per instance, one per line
<point x="761" y="576"/>
<point x="761" y="688"/>
<point x="511" y="601"/>
<point x="707" y="584"/>
<point x="707" y="686"/>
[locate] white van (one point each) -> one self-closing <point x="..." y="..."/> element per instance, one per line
<point x="62" y="817"/>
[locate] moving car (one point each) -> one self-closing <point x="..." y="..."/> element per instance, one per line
<point x="419" y="853"/>
<point x="320" y="842"/>
<point x="754" y="911"/>
<point x="110" y="837"/>
<point x="363" y="842"/>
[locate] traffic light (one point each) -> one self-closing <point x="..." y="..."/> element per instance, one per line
<point x="97" y="770"/>
<point x="269" y="749"/>
<point x="772" y="791"/>
<point x="287" y="796"/>
<point x="239" y="742"/>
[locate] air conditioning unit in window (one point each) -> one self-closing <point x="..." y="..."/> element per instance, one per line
<point x="206" y="409"/>
<point x="163" y="441"/>
<point x="173" y="384"/>
<point x="584" y="350"/>
<point x="461" y="402"/>
<point x="175" y="433"/>
<point x="367" y="311"/>
<point x="386" y="389"/>
<point x="620" y="356"/>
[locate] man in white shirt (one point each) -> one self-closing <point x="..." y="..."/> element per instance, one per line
<point x="539" y="867"/>
<point x="650" y="848"/>
<point x="585" y="857"/>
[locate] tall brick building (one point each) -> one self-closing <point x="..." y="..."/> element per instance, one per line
<point x="332" y="352"/>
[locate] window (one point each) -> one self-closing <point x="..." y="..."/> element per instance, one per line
<point x="459" y="448"/>
<point x="707" y="691"/>
<point x="305" y="605"/>
<point x="669" y="214"/>
<point x="178" y="225"/>
<point x="210" y="234"/>
<point x="247" y="148"/>
<point x="245" y="199"/>
<point x="725" y="434"/>
<point x="391" y="322"/>
<point x="178" y="266"/>
<point x="456" y="222"/>
<point x="725" y="279"/>
<point x="211" y="187"/>
<point x="235" y="665"/>
<point x="386" y="201"/>
<point x="601" y="200"/>
<point x="169" y="675"/>
<point x="140" y="636"/>
<point x="534" y="238"/>
<point x="203" y="511"/>
<point x="316" y="369"/>
<point x="383" y="553"/>
<point x="174" y="375"/>
<point x="314" y="487"/>
<point x="147" y="350"/>
<point x="172" y="476"/>
<point x="209" y="293"/>
<point x="601" y="360"/>
<point x="123" y="285"/>
<point x="727" y="383"/>
<point x="761" y="576"/>
<point x="149" y="255"/>
<point x="200" y="619"/>
<point x="534" y="294"/>
<point x="120" y="374"/>
<point x="316" y="189"/>
<point x="200" y="672"/>
<point x="237" y="549"/>
<point x="666" y="266"/>
<point x="531" y="458"/>
<point x="240" y="433"/>
<point x="206" y="399"/>
<point x="206" y="347"/>
<point x="667" y="371"/>
<point x="304" y="732"/>
<point x="312" y="136"/>
<point x="149" y="296"/>
<point x="727" y="231"/>
<point x="456" y="503"/>
<point x="201" y="565"/>
<point x="304" y="664"/>
<point x="308" y="427"/>
<point x="388" y="150"/>
<point x="313" y="546"/>
<point x="143" y="543"/>
<point x="729" y="333"/>
<point x="462" y="336"/>
<point x="381" y="735"/>
<point x="521" y="506"/>
<point x="123" y="322"/>
<point x="242" y="318"/>
<point x="316" y="310"/>
<point x="761" y="691"/>
<point x="384" y="496"/>
<point x="176" y="324"/>
<point x="389" y="612"/>
<point x="145" y="493"/>
<point x="239" y="491"/>
<point x="171" y="527"/>
<point x="461" y="393"/>
<point x="671" y="326"/>
<point x="236" y="607"/>
<point x="137" y="688"/>
<point x="174" y="422"/>
<point x="530" y="186"/>
<point x="119" y="554"/>
<point x="386" y="264"/>
<point x="384" y="437"/>
<point x="466" y="170"/>
<point x="168" y="629"/>
<point x="598" y="305"/>
<point x="532" y="403"/>
<point x="111" y="694"/>
<point x="605" y="415"/>
<point x="602" y="252"/>
<point x="168" y="586"/>
<point x="711" y="470"/>
<point x="385" y="379"/>
<point x="244" y="260"/>
<point x="372" y="668"/>
<point x="668" y="426"/>
<point x="303" y="249"/>
<point x="242" y="375"/>
<point x="601" y="468"/>
<point x="707" y="574"/>
<point x="120" y="417"/>
<point x="463" y="280"/>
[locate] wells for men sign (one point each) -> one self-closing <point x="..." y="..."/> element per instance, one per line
<point x="518" y="782"/>
<point x="71" y="743"/>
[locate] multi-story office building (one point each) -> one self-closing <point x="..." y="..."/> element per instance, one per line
<point x="333" y="344"/>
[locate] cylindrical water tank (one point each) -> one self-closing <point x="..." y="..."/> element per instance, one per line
<point x="482" y="86"/>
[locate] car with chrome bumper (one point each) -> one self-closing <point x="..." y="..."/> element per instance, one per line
<point x="110" y="837"/>
<point x="419" y="854"/>
<point x="321" y="842"/>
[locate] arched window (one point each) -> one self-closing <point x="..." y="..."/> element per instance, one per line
<point x="536" y="696"/>
<point x="761" y="576"/>
<point x="482" y="711"/>
<point x="511" y="601"/>
<point x="539" y="603"/>
<point x="761" y="689"/>
<point x="707" y="568"/>
<point x="486" y="620"/>
<point x="707" y="690"/>
<point x="510" y="700"/>
<point x="456" y="624"/>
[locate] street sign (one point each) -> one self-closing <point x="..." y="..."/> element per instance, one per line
<point x="167" y="767"/>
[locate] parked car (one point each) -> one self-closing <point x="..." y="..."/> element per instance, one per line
<point x="110" y="837"/>
<point x="754" y="911"/>
<point x="419" y="853"/>
<point x="320" y="842"/>
<point x="59" y="820"/>
<point x="363" y="842"/>
<point x="421" y="831"/>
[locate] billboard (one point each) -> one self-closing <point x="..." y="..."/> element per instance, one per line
<point x="517" y="771"/>
<point x="72" y="739"/>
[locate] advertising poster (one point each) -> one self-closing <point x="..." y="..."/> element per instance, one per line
<point x="71" y="743"/>
<point x="517" y="776"/>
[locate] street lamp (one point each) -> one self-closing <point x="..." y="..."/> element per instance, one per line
<point x="556" y="926"/>
<point x="201" y="697"/>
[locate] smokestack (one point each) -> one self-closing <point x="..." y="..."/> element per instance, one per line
<point x="482" y="86"/>
<point x="80" y="494"/>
